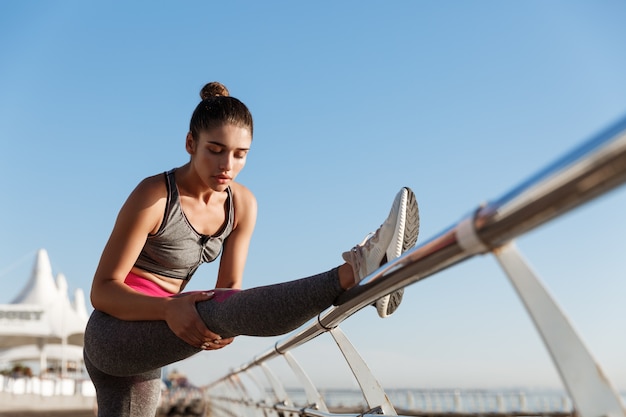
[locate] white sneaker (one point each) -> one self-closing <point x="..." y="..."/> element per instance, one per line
<point x="396" y="235"/>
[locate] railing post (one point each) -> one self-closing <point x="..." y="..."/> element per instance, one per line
<point x="238" y="387"/>
<point x="589" y="389"/>
<point x="372" y="390"/>
<point x="280" y="394"/>
<point x="312" y="394"/>
<point x="259" y="386"/>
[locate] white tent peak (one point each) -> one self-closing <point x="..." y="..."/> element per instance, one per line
<point x="62" y="284"/>
<point x="79" y="304"/>
<point x="42" y="289"/>
<point x="41" y="285"/>
<point x="42" y="314"/>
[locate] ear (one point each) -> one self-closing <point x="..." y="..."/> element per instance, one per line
<point x="190" y="144"/>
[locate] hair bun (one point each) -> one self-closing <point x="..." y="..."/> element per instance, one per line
<point x="214" y="89"/>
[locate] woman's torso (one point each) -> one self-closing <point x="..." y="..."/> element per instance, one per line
<point x="190" y="233"/>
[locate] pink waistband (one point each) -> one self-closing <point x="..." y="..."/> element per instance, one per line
<point x="145" y="286"/>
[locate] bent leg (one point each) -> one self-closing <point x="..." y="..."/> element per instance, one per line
<point x="125" y="348"/>
<point x="130" y="396"/>
<point x="271" y="310"/>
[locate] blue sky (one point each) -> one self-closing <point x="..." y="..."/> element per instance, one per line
<point x="352" y="100"/>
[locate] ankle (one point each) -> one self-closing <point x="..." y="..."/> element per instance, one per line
<point x="346" y="276"/>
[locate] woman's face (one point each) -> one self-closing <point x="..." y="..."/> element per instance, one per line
<point x="219" y="154"/>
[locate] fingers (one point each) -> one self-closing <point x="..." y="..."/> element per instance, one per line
<point x="206" y="339"/>
<point x="227" y="341"/>
<point x="216" y="343"/>
<point x="197" y="334"/>
<point x="183" y="319"/>
<point x="204" y="296"/>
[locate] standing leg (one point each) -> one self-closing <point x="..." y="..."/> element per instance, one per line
<point x="126" y="396"/>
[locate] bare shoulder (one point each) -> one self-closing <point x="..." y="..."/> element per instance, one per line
<point x="245" y="203"/>
<point x="146" y="203"/>
<point x="152" y="188"/>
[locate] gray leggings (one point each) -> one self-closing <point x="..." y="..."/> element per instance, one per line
<point x="124" y="358"/>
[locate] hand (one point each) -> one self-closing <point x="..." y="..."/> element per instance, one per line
<point x="183" y="319"/>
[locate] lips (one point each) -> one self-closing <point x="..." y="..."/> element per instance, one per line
<point x="222" y="178"/>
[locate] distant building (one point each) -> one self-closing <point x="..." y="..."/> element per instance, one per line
<point x="42" y="324"/>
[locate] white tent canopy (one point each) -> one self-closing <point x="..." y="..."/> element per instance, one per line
<point x="43" y="313"/>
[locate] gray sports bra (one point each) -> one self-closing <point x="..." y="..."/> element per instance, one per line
<point x="176" y="250"/>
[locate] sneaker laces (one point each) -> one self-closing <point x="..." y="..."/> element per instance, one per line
<point x="357" y="257"/>
<point x="370" y="238"/>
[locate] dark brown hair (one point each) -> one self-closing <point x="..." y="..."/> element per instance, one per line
<point x="218" y="108"/>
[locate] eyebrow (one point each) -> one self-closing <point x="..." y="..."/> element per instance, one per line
<point x="224" y="146"/>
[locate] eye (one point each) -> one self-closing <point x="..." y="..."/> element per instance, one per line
<point x="215" y="148"/>
<point x="241" y="154"/>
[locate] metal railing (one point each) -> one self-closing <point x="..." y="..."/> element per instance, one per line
<point x="593" y="169"/>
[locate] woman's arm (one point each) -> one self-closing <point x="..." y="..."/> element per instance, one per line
<point x="140" y="215"/>
<point x="235" y="251"/>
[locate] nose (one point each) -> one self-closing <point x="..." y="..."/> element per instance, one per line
<point x="226" y="162"/>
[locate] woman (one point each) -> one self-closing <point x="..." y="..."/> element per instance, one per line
<point x="173" y="222"/>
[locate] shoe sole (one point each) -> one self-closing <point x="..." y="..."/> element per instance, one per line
<point x="407" y="230"/>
